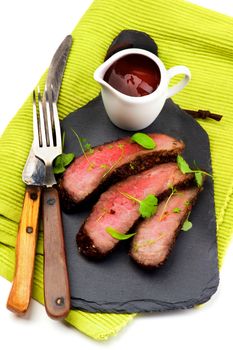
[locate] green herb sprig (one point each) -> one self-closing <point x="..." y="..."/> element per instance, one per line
<point x="185" y="169"/>
<point x="147" y="206"/>
<point x="118" y="235"/>
<point x="85" y="148"/>
<point x="147" y="242"/>
<point x="143" y="140"/>
<point x="86" y="145"/>
<point x="173" y="191"/>
<point x="63" y="160"/>
<point x="109" y="169"/>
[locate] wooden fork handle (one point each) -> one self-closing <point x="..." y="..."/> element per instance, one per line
<point x="56" y="282"/>
<point x="20" y="294"/>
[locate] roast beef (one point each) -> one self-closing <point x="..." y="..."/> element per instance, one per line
<point x="155" y="236"/>
<point x="117" y="211"/>
<point x="93" y="172"/>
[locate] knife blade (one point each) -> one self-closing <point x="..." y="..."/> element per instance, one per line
<point x="33" y="176"/>
<point x="34" y="169"/>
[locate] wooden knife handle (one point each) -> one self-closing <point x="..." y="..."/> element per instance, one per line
<point x="56" y="282"/>
<point x="20" y="294"/>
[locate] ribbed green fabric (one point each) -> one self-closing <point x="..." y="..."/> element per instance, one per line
<point x="186" y="34"/>
<point x="98" y="326"/>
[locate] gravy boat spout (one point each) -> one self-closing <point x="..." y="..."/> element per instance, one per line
<point x="100" y="73"/>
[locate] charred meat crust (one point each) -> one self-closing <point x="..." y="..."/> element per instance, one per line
<point x="87" y="247"/>
<point x="85" y="244"/>
<point x="139" y="164"/>
<point x="150" y="266"/>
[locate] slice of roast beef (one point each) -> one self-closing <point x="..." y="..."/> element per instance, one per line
<point x="117" y="211"/>
<point x="155" y="236"/>
<point x="92" y="173"/>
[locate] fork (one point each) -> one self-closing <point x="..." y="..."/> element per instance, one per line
<point x="47" y="146"/>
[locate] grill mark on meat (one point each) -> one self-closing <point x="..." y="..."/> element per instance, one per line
<point x="156" y="236"/>
<point x="81" y="185"/>
<point x="115" y="210"/>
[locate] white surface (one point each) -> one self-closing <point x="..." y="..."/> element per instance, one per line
<point x="27" y="45"/>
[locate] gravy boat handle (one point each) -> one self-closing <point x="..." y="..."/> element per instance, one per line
<point x="172" y="72"/>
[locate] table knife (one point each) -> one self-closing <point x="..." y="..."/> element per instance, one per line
<point x="33" y="176"/>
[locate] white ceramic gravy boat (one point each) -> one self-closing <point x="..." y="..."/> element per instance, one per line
<point x="135" y="113"/>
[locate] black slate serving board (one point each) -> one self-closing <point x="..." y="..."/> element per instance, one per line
<point x="116" y="284"/>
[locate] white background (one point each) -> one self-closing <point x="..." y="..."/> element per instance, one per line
<point x="30" y="32"/>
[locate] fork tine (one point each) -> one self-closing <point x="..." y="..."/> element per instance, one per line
<point x="49" y="118"/>
<point x="42" y="119"/>
<point x="56" y="121"/>
<point x="44" y="145"/>
<point x="35" y="122"/>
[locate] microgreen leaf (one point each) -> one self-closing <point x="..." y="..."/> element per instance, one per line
<point x="176" y="210"/>
<point x="87" y="146"/>
<point x="84" y="144"/>
<point x="185" y="169"/>
<point x="144" y="140"/>
<point x="67" y="158"/>
<point x="199" y="178"/>
<point x="118" y="235"/>
<point x="61" y="162"/>
<point x="148" y="206"/>
<point x="90" y="151"/>
<point x="58" y="167"/>
<point x="104" y="166"/>
<point x="183" y="165"/>
<point x="83" y="139"/>
<point x="187" y="225"/>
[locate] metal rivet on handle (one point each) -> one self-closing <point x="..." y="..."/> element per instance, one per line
<point x="29" y="229"/>
<point x="51" y="201"/>
<point x="60" y="301"/>
<point x="33" y="196"/>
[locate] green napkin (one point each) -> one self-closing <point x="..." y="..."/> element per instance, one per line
<point x="185" y="34"/>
